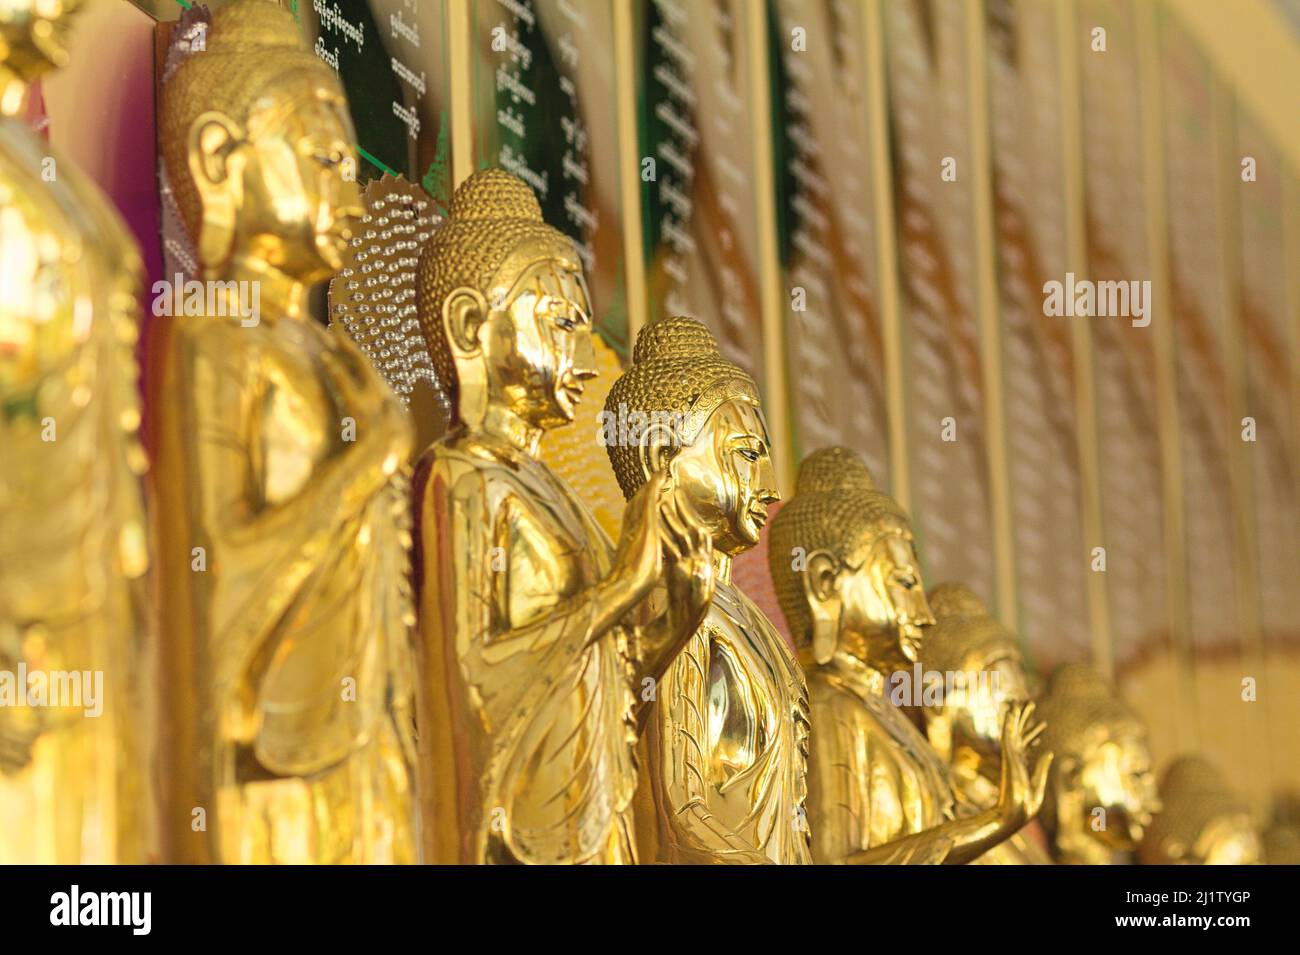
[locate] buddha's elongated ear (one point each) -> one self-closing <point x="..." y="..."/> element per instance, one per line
<point x="657" y="444"/>
<point x="821" y="569"/>
<point x="463" y="314"/>
<point x="217" y="177"/>
<point x="213" y="136"/>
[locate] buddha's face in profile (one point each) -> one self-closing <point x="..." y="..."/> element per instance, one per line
<point x="884" y="609"/>
<point x="1117" y="776"/>
<point x="727" y="475"/>
<point x="34" y="34"/>
<point x="536" y="341"/>
<point x="279" y="185"/>
<point x="976" y="708"/>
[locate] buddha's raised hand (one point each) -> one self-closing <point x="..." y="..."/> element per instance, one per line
<point x="1021" y="793"/>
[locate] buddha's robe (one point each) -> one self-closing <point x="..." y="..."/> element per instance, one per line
<point x="528" y="721"/>
<point x="725" y="755"/>
<point x="288" y="664"/>
<point x="873" y="777"/>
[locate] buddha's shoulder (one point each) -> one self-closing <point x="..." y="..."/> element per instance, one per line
<point x="831" y="693"/>
<point x="461" y="464"/>
<point x="827" y="691"/>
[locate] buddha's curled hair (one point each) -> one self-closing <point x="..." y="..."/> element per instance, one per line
<point x="1081" y="710"/>
<point x="964" y="631"/>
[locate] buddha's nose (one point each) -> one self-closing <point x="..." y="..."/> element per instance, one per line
<point x="584" y="357"/>
<point x="766" y="483"/>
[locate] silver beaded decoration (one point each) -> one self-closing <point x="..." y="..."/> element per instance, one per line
<point x="373" y="296"/>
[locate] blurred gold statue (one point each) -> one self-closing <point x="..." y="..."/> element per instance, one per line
<point x="1101" y="793"/>
<point x="282" y="520"/>
<point x="74" y="643"/>
<point x="539" y="647"/>
<point x="1201" y="821"/>
<point x="1281" y="840"/>
<point x="725" y="755"/>
<point x="849" y="583"/>
<point x="965" y="726"/>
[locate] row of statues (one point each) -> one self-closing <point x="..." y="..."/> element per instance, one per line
<point x="355" y="652"/>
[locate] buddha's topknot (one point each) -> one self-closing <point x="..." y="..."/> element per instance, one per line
<point x="495" y="194"/>
<point x="956" y="600"/>
<point x="677" y="338"/>
<point x="833" y="469"/>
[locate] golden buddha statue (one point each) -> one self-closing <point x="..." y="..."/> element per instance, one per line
<point x="538" y="639"/>
<point x="281" y="514"/>
<point x="849" y="582"/>
<point x="74" y="637"/>
<point x="1201" y="821"/>
<point x="724" y="760"/>
<point x="987" y="672"/>
<point x="1101" y="793"/>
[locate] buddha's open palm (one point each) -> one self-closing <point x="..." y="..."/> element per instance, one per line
<point x="1021" y="793"/>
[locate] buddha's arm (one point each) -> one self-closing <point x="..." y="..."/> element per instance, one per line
<point x="248" y="427"/>
<point x="339" y="483"/>
<point x="690" y="580"/>
<point x="247" y="445"/>
<point x="502" y="611"/>
<point x="853" y="817"/>
<point x="963" y="839"/>
<point x="1018" y="799"/>
<point x="683" y="738"/>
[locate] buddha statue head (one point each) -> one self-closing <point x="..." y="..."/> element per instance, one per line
<point x="257" y="143"/>
<point x="1102" y="786"/>
<point x="504" y="309"/>
<point x="988" y="674"/>
<point x="691" y="412"/>
<point x="33" y="41"/>
<point x="845" y="568"/>
<point x="1201" y="822"/>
